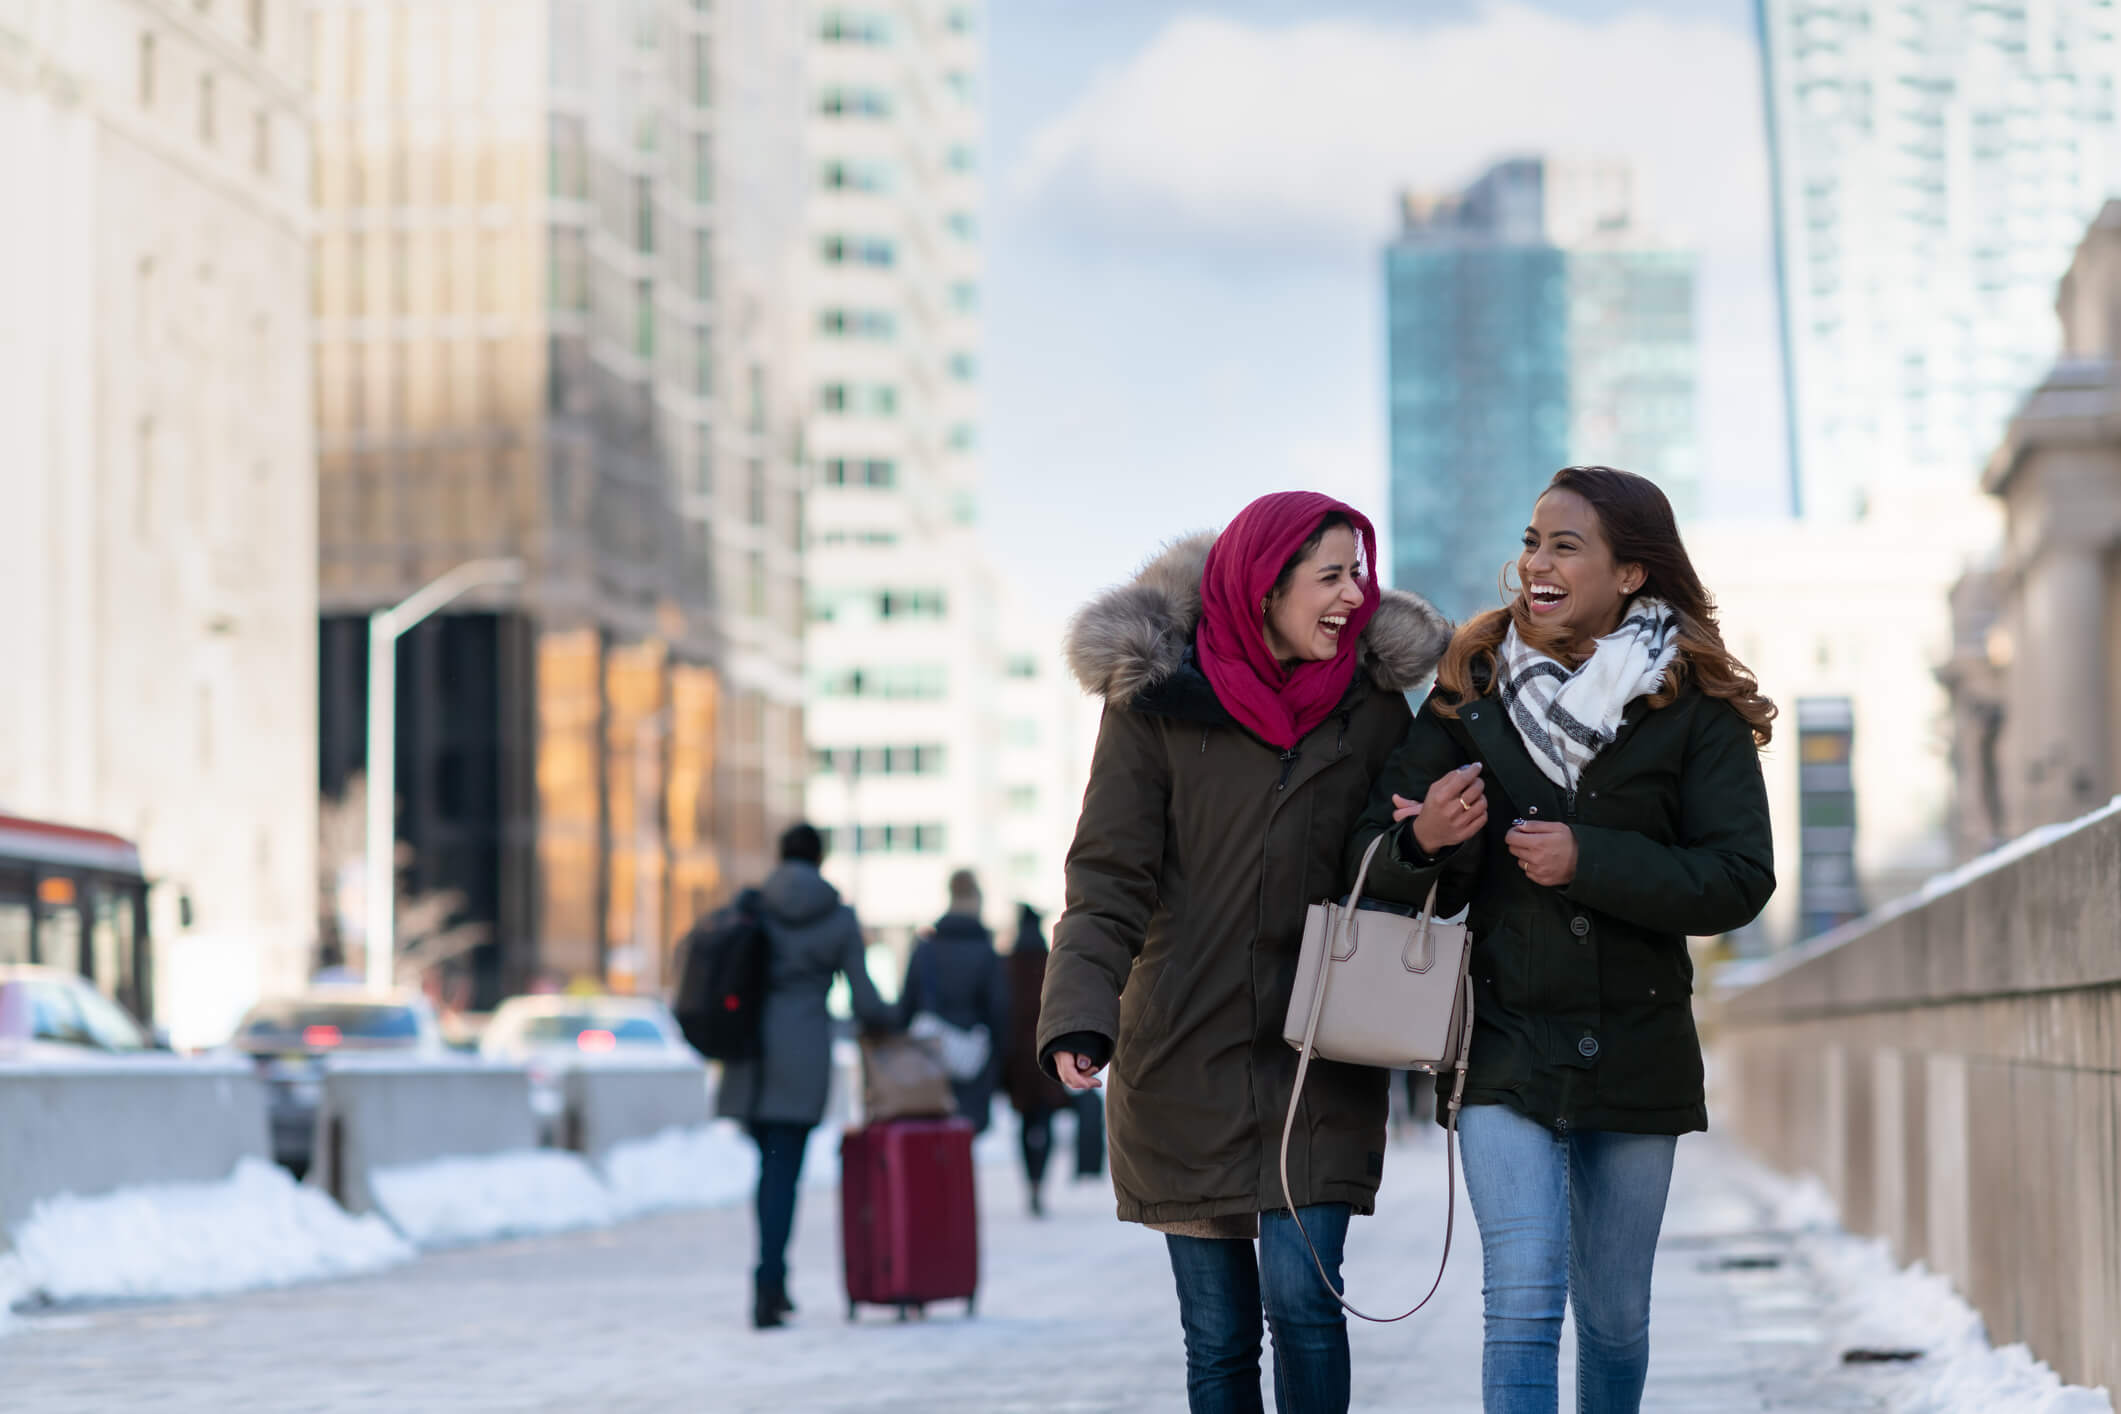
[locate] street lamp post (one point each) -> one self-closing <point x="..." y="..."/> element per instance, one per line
<point x="385" y="628"/>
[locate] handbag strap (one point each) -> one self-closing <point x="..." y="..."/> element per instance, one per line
<point x="1458" y="1090"/>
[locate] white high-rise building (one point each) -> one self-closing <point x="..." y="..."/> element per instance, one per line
<point x="157" y="468"/>
<point x="1935" y="166"/>
<point x="905" y="641"/>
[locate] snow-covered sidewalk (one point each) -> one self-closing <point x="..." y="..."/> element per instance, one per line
<point x="1756" y="1307"/>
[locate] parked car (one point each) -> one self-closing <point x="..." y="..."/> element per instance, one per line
<point x="552" y="1034"/>
<point x="290" y="1037"/>
<point x="50" y="1014"/>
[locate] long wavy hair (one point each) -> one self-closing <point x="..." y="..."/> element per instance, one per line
<point x="1639" y="526"/>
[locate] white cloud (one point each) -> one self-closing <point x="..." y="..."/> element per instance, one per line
<point x="1250" y="135"/>
<point x="1230" y="139"/>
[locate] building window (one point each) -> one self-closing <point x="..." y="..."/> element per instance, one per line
<point x="1022" y="800"/>
<point x="147" y="71"/>
<point x="755" y="585"/>
<point x="892" y="681"/>
<point x="206" y="108"/>
<point x="702" y="72"/>
<point x="755" y="491"/>
<point x="257" y="23"/>
<point x="963" y="437"/>
<point x="909" y="604"/>
<point x="644" y="319"/>
<point x="644" y="216"/>
<point x="261" y="143"/>
<point x="961" y="21"/>
<point x="1023" y="666"/>
<point x="859" y="250"/>
<point x="703" y="363"/>
<point x="703" y="464"/>
<point x="857" y="323"/>
<point x="964" y="367"/>
<point x="843" y="27"/>
<point x="921" y="760"/>
<point x="702" y="168"/>
<point x="964" y="297"/>
<point x="961" y="84"/>
<point x="703" y="265"/>
<point x="879" y="473"/>
<point x="963" y="158"/>
<point x="963" y="225"/>
<point x="856" y="175"/>
<point x="839" y="102"/>
<point x="1020" y="731"/>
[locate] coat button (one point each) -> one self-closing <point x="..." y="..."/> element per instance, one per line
<point x="1587" y="1047"/>
<point x="1580" y="926"/>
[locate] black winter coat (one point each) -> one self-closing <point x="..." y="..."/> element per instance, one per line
<point x="1582" y="994"/>
<point x="956" y="973"/>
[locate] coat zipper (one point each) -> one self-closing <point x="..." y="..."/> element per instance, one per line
<point x="1288" y="764"/>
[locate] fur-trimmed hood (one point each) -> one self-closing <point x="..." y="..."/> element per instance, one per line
<point x="1136" y="637"/>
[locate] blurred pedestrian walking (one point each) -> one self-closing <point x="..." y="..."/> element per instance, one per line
<point x="957" y="994"/>
<point x="1253" y="688"/>
<point x="1036" y="1095"/>
<point x="780" y="1097"/>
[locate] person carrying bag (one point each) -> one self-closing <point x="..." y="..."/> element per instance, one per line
<point x="1253" y="689"/>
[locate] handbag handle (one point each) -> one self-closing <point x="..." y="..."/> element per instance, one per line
<point x="1458" y="1090"/>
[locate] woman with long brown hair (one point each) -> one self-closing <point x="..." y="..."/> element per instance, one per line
<point x="1586" y="776"/>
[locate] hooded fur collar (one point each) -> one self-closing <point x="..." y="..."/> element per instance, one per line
<point x="1136" y="637"/>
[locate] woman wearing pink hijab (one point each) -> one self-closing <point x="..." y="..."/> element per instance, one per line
<point x="1253" y="687"/>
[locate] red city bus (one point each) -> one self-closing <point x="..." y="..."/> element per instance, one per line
<point x="75" y="899"/>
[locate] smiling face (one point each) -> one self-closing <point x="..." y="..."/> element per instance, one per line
<point x="1571" y="582"/>
<point x="1304" y="620"/>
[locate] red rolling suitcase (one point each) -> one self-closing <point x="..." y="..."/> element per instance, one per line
<point x="909" y="1218"/>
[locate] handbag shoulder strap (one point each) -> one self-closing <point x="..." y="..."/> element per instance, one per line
<point x="1458" y="1090"/>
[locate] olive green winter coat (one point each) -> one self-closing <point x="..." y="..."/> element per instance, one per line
<point x="1583" y="994"/>
<point x="1198" y="851"/>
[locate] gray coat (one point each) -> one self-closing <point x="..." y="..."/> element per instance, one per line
<point x="814" y="938"/>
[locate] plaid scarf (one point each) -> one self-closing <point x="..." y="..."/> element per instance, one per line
<point x="1567" y="718"/>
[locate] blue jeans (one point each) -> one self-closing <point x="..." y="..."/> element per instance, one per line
<point x="1565" y="1219"/>
<point x="1223" y="1287"/>
<point x="781" y="1148"/>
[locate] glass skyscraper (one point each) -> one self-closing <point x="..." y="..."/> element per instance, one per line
<point x="1935" y="166"/>
<point x="1529" y="326"/>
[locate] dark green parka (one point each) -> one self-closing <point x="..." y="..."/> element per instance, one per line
<point x="1583" y="994"/>
<point x="1198" y="851"/>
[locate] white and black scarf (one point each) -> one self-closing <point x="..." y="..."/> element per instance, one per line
<point x="1567" y="718"/>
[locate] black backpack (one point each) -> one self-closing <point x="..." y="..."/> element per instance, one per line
<point x="721" y="995"/>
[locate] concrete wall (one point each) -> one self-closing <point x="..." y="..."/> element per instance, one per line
<point x="1951" y="1070"/>
<point x="89" y="1129"/>
<point x="610" y="1104"/>
<point x="378" y="1114"/>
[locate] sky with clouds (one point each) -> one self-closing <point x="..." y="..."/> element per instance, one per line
<point x="1187" y="205"/>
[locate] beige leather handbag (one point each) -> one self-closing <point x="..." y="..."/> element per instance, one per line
<point x="1382" y="989"/>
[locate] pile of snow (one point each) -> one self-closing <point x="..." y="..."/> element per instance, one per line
<point x="697" y="1167"/>
<point x="523" y="1193"/>
<point x="1878" y="1305"/>
<point x="256" y="1228"/>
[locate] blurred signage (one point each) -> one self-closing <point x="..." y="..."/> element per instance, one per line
<point x="1828" y="893"/>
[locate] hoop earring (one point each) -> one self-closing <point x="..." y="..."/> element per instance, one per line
<point x="1510" y="593"/>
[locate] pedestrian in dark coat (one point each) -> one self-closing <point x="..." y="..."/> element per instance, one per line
<point x="780" y="1097"/>
<point x="1253" y="688"/>
<point x="955" y="973"/>
<point x="1035" y="1094"/>
<point x="1587" y="776"/>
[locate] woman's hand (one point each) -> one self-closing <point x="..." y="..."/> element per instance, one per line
<point x="1545" y="849"/>
<point x="1075" y="1071"/>
<point x="1455" y="810"/>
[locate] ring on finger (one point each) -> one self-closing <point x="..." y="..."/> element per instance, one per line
<point x="1464" y="804"/>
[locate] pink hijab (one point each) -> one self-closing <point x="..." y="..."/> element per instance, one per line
<point x="1279" y="705"/>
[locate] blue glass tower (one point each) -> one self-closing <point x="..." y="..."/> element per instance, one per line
<point x="1528" y="327"/>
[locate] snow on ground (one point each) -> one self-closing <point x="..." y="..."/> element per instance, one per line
<point x="523" y="1193"/>
<point x="1878" y="1305"/>
<point x="256" y="1228"/>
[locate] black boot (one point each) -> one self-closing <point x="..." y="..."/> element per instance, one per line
<point x="768" y="1305"/>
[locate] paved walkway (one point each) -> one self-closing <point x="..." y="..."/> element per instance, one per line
<point x="1076" y="1314"/>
